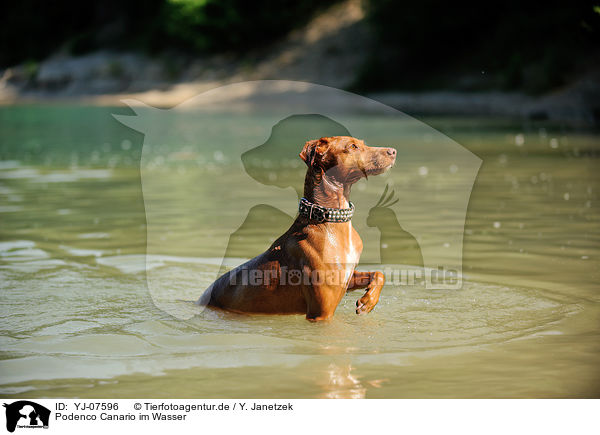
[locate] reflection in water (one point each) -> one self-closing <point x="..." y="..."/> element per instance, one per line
<point x="339" y="383"/>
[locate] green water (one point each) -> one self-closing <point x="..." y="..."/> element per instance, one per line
<point x="78" y="319"/>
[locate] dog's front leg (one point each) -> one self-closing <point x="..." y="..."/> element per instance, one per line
<point x="321" y="301"/>
<point x="373" y="281"/>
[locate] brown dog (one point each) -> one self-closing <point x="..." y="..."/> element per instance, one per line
<point x="310" y="267"/>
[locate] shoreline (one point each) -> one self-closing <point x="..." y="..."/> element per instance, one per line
<point x="575" y="105"/>
<point x="330" y="50"/>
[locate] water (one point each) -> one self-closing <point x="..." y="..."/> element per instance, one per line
<point x="78" y="319"/>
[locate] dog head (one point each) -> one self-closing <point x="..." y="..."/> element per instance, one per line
<point x="346" y="159"/>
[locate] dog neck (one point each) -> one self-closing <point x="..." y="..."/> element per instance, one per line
<point x="323" y="190"/>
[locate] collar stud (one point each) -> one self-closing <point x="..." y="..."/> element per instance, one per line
<point x="320" y="214"/>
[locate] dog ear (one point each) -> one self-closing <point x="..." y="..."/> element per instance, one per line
<point x="308" y="152"/>
<point x="313" y="151"/>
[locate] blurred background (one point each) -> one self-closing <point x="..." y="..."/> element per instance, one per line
<point x="517" y="58"/>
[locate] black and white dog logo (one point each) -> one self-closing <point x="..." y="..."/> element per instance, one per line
<point x="26" y="414"/>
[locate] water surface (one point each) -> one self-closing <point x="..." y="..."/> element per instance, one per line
<point x="78" y="319"/>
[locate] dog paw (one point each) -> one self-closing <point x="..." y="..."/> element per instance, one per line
<point x="366" y="304"/>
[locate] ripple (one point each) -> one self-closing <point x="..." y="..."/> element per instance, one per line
<point x="128" y="334"/>
<point x="16" y="244"/>
<point x="68" y="327"/>
<point x="21" y="252"/>
<point x="19" y="173"/>
<point x="56" y="176"/>
<point x="9" y="164"/>
<point x="82" y="252"/>
<point x="73" y="175"/>
<point x="94" y="236"/>
<point x="136" y="263"/>
<point x="10" y="208"/>
<point x="34" y="266"/>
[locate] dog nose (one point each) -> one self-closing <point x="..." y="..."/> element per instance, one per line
<point x="391" y="151"/>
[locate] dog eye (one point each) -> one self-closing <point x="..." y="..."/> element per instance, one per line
<point x="353" y="146"/>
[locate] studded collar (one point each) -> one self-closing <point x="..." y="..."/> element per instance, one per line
<point x="321" y="214"/>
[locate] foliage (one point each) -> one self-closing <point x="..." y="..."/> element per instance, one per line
<point x="235" y="25"/>
<point x="30" y="29"/>
<point x="510" y="44"/>
<point x="514" y="44"/>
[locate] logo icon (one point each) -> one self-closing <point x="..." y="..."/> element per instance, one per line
<point x="26" y="414"/>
